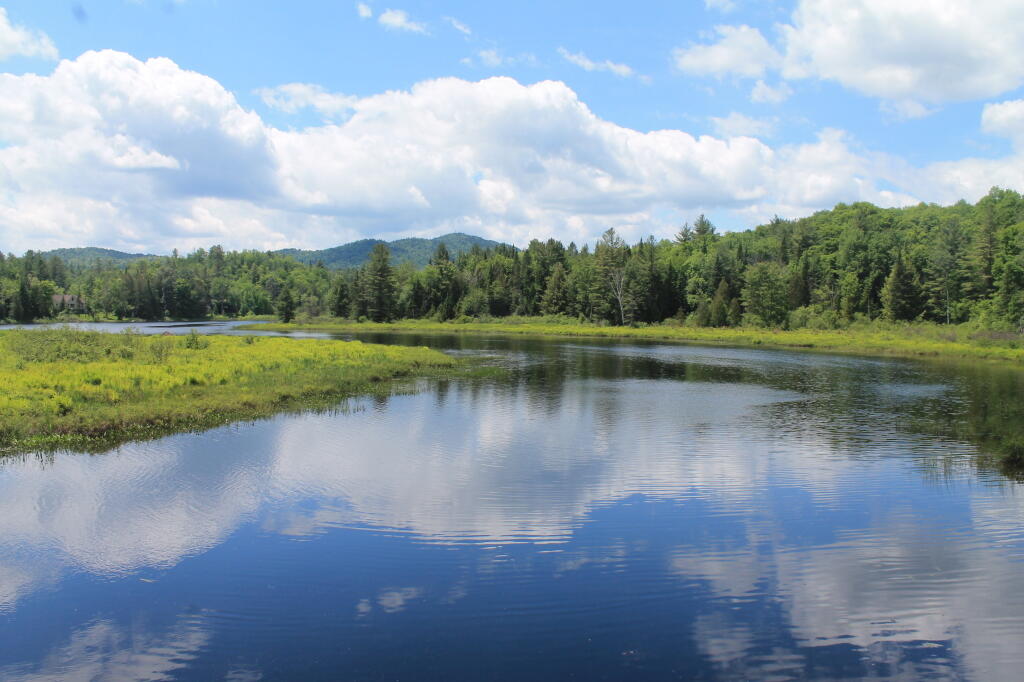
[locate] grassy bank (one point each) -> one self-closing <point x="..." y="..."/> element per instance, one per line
<point x="909" y="340"/>
<point x="76" y="389"/>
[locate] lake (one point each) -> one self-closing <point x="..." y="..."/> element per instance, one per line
<point x="612" y="511"/>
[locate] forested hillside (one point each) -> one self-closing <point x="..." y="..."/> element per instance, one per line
<point x="415" y="250"/>
<point x="944" y="264"/>
<point x="90" y="255"/>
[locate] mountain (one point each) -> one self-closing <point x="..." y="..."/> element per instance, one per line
<point x="413" y="250"/>
<point x="90" y="255"/>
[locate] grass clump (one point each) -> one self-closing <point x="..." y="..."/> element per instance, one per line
<point x="71" y="388"/>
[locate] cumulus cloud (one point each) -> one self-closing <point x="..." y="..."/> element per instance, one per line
<point x="18" y="41"/>
<point x="910" y="53"/>
<point x="293" y="97"/>
<point x="398" y="20"/>
<point x="740" y="51"/>
<point x="581" y="60"/>
<point x="1005" y="119"/>
<point x="364" y="11"/>
<point x="915" y="49"/>
<point x="109" y="150"/>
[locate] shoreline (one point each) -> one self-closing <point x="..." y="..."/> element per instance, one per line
<point x="73" y="390"/>
<point x="913" y="342"/>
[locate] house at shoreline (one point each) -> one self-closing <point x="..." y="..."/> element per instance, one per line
<point x="71" y="302"/>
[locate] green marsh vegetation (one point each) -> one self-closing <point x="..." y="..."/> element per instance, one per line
<point x="876" y="338"/>
<point x="78" y="389"/>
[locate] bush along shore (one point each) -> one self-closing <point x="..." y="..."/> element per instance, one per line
<point x="921" y="340"/>
<point x="65" y="388"/>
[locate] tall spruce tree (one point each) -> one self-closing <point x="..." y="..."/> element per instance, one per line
<point x="379" y="284"/>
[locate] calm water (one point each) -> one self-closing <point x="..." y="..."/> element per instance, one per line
<point x="604" y="512"/>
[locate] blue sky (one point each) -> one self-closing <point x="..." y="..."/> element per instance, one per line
<point x="155" y="124"/>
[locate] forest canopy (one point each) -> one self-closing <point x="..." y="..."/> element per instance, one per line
<point x="953" y="264"/>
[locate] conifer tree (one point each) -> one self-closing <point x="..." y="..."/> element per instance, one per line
<point x="899" y="294"/>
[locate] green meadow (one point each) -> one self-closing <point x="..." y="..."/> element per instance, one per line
<point x="75" y="389"/>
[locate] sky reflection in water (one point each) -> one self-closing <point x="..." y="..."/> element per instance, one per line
<point x="610" y="511"/>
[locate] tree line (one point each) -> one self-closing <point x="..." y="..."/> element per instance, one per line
<point x="948" y="264"/>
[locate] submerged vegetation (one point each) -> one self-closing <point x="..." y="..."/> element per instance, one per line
<point x="69" y="388"/>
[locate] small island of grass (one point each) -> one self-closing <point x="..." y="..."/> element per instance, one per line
<point x="75" y="389"/>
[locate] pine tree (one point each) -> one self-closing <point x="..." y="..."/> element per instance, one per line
<point x="286" y="305"/>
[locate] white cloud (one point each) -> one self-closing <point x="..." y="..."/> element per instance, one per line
<point x="398" y="20"/>
<point x="910" y="53"/>
<point x="364" y="11"/>
<point x="145" y="156"/>
<point x="581" y="60"/>
<point x="1005" y="119"/>
<point x="905" y="109"/>
<point x="763" y="93"/>
<point x="736" y="124"/>
<point x="459" y="26"/>
<point x="493" y="58"/>
<point x="740" y="50"/>
<point x="18" y="41"/>
<point x="490" y="57"/>
<point x="913" y="49"/>
<point x="292" y="97"/>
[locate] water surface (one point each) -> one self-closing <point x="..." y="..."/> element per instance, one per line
<point x="606" y="511"/>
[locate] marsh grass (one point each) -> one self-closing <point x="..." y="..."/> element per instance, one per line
<point x="901" y="340"/>
<point x="65" y="388"/>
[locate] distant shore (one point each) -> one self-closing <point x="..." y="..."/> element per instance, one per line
<point x="906" y="340"/>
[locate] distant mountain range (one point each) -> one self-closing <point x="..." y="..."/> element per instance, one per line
<point x="413" y="250"/>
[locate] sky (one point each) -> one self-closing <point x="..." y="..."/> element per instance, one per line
<point x="150" y="125"/>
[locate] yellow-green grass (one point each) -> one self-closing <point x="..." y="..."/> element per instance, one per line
<point x="86" y="390"/>
<point x="909" y="340"/>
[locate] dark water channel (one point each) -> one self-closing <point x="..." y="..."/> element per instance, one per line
<point x="605" y="511"/>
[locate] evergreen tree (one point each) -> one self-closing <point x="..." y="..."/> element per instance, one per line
<point x="735" y="313"/>
<point x="340" y="302"/>
<point x="556" y="293"/>
<point x="718" y="312"/>
<point x="379" y="283"/>
<point x="286" y="305"/>
<point x="899" y="295"/>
